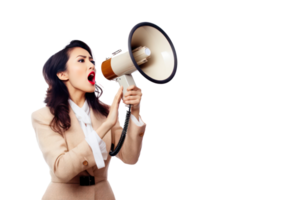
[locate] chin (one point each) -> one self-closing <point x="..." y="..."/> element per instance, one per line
<point x="90" y="91"/>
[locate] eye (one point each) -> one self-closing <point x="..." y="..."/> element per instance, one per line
<point x="93" y="62"/>
<point x="81" y="60"/>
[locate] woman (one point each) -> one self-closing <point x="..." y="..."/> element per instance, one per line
<point x="74" y="120"/>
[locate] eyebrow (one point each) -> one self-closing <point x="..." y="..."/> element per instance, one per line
<point x="83" y="56"/>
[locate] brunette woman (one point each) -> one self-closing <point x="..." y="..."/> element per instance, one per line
<point x="75" y="130"/>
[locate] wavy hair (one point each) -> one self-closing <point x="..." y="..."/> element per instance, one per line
<point x="57" y="93"/>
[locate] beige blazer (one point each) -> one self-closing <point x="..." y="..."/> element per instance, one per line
<point x="69" y="156"/>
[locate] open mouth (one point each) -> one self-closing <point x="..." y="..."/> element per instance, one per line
<point x="91" y="78"/>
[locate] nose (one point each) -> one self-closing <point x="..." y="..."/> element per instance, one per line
<point x="92" y="67"/>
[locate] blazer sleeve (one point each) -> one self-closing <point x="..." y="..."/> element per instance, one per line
<point x="63" y="164"/>
<point x="130" y="151"/>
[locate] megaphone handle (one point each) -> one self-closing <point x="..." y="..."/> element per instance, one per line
<point x="115" y="151"/>
<point x="126" y="80"/>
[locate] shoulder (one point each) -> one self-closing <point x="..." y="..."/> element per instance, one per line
<point x="42" y="114"/>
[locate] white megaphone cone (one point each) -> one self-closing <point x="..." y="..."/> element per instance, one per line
<point x="151" y="52"/>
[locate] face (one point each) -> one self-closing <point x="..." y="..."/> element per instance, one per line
<point x="80" y="73"/>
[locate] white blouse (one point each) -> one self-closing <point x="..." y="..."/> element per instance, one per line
<point x="97" y="145"/>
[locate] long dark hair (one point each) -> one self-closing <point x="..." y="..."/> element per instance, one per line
<point x="57" y="93"/>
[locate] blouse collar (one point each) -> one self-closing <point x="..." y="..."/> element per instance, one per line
<point x="85" y="106"/>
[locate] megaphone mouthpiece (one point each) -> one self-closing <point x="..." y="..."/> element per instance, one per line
<point x="141" y="55"/>
<point x="147" y="52"/>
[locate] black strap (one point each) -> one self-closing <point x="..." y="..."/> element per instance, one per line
<point x="122" y="138"/>
<point x="87" y="180"/>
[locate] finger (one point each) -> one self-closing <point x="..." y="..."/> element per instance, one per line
<point x="132" y="102"/>
<point x="120" y="94"/>
<point x="132" y="99"/>
<point x="129" y="93"/>
<point x="131" y="87"/>
<point x="128" y="98"/>
<point x="133" y="93"/>
<point x="117" y="96"/>
<point x="121" y="89"/>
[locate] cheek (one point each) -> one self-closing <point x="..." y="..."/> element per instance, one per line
<point x="78" y="73"/>
<point x="77" y="78"/>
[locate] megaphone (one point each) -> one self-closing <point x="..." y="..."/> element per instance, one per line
<point x="151" y="52"/>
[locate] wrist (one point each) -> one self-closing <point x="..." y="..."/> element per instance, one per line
<point x="107" y="125"/>
<point x="103" y="129"/>
<point x="135" y="112"/>
<point x="135" y="107"/>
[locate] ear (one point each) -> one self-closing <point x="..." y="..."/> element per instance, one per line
<point x="63" y="76"/>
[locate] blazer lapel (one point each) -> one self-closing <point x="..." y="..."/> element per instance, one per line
<point x="96" y="119"/>
<point x="75" y="134"/>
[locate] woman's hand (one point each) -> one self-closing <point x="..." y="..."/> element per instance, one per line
<point x="112" y="117"/>
<point x="133" y="96"/>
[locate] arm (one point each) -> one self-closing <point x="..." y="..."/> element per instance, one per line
<point x="63" y="163"/>
<point x="132" y="145"/>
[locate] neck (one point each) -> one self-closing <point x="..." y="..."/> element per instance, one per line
<point x="77" y="96"/>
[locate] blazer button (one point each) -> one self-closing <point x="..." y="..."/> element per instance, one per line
<point x="85" y="163"/>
